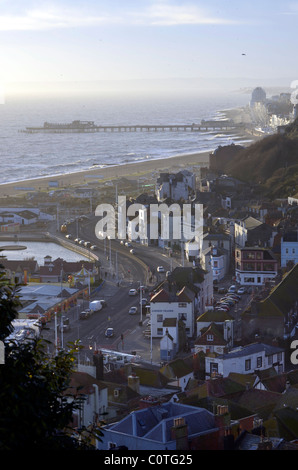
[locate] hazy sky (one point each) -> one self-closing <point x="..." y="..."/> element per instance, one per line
<point x="147" y="39"/>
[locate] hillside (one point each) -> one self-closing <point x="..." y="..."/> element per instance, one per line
<point x="271" y="162"/>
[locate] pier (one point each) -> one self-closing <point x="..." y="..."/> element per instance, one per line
<point x="82" y="127"/>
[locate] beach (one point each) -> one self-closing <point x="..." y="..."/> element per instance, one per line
<point x="133" y="170"/>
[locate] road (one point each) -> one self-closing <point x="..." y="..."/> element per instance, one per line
<point x="131" y="270"/>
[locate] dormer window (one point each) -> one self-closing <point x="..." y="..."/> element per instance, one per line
<point x="210" y="337"/>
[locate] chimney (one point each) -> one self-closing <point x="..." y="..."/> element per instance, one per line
<point x="98" y="363"/>
<point x="134" y="382"/>
<point x="180" y="434"/>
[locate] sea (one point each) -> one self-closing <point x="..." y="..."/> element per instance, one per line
<point x="26" y="156"/>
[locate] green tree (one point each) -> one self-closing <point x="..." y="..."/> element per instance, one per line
<point x="35" y="412"/>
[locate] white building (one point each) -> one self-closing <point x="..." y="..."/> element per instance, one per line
<point x="289" y="248"/>
<point x="184" y="295"/>
<point x="176" y="186"/>
<point x="246" y="360"/>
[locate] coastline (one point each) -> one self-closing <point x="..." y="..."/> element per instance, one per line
<point x="132" y="170"/>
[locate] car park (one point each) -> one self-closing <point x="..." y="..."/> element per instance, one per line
<point x="109" y="333"/>
<point x="133" y="310"/>
<point x="132" y="292"/>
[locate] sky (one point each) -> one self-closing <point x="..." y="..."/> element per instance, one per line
<point x="139" y="40"/>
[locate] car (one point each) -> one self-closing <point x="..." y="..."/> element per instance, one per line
<point x="132" y="251"/>
<point x="132" y="292"/>
<point x="232" y="289"/>
<point x="160" y="269"/>
<point x="81" y="242"/>
<point x="133" y="310"/>
<point x="68" y="236"/>
<point x="144" y="302"/>
<point x="222" y="290"/>
<point x="121" y="242"/>
<point x="128" y="244"/>
<point x="77" y="240"/>
<point x="144" y="289"/>
<point x="94" y="247"/>
<point x="84" y="315"/>
<point x="87" y="244"/>
<point x="241" y="290"/>
<point x="109" y="333"/>
<point x="168" y="273"/>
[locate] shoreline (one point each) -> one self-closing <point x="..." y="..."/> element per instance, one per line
<point x="126" y="170"/>
<point x="101" y="174"/>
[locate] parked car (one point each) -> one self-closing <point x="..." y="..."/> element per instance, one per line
<point x="222" y="290"/>
<point x="132" y="251"/>
<point x="241" y="290"/>
<point x="128" y="244"/>
<point x="133" y="310"/>
<point x="132" y="292"/>
<point x="232" y="289"/>
<point x="160" y="269"/>
<point x="109" y="333"/>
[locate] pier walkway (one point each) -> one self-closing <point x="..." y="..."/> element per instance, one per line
<point x="203" y="126"/>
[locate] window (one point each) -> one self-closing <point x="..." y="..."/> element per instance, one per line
<point x="259" y="362"/>
<point x="210" y="337"/>
<point x="160" y="331"/>
<point x="159" y="318"/>
<point x="279" y="356"/>
<point x="247" y="364"/>
<point x="215" y="264"/>
<point x="182" y="304"/>
<point x="270" y="360"/>
<point x="213" y="367"/>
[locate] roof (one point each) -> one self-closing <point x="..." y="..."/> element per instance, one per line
<point x="251" y="349"/>
<point x="178" y="368"/>
<point x="282" y="298"/>
<point x="216" y="316"/>
<point x="156" y="422"/>
<point x="217" y="334"/>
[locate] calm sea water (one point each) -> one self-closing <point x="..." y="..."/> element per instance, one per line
<point x="24" y="156"/>
<point x="38" y="251"/>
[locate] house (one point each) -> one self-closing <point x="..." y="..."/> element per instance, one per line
<point x="20" y="271"/>
<point x="289" y="248"/>
<point x="293" y="200"/>
<point x="252" y="232"/>
<point x="171" y="302"/>
<point x="168" y="348"/>
<point x="254" y="266"/>
<point x="166" y="427"/>
<point x="245" y="360"/>
<point x="183" y="295"/>
<point x="276" y="315"/>
<point x="94" y="403"/>
<point x="179" y="372"/>
<point x="219" y="259"/>
<point x="177" y="186"/>
<point x="211" y="340"/>
<point x="223" y="322"/>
